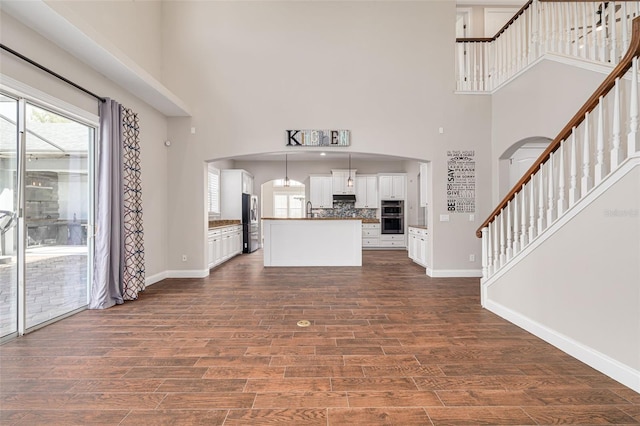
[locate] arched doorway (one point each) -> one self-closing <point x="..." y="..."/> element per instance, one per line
<point x="516" y="160"/>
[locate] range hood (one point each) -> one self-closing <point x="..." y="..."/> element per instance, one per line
<point x="344" y="198"/>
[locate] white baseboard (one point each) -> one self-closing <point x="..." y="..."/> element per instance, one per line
<point x="150" y="280"/>
<point x="194" y="273"/>
<point x="599" y="361"/>
<point x="454" y="273"/>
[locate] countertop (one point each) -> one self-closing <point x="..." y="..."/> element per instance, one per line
<point x="364" y="220"/>
<point x="418" y="226"/>
<point x="221" y="223"/>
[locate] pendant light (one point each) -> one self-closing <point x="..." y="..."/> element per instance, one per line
<point x="287" y="182"/>
<point x="349" y="181"/>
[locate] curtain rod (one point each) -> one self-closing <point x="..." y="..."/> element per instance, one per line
<point x="53" y="73"/>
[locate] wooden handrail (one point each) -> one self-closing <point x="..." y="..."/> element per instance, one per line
<point x="505" y="26"/>
<point x="517" y="14"/>
<point x="618" y="72"/>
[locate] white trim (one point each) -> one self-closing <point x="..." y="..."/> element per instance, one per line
<point x="39" y="97"/>
<point x="601" y="362"/>
<point x="586" y="64"/>
<point x="192" y="273"/>
<point x="454" y="273"/>
<point x="150" y="280"/>
<point x="627" y="166"/>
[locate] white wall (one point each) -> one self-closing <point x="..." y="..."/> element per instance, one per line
<point x="153" y="124"/>
<point x="384" y="70"/>
<point x="583" y="283"/>
<point x="133" y="26"/>
<point x="545" y="97"/>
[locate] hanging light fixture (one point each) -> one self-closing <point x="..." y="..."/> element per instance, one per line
<point x="287" y="182"/>
<point x="349" y="181"/>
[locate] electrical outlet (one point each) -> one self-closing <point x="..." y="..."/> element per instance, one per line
<point x="184" y="257"/>
<point x="472" y="258"/>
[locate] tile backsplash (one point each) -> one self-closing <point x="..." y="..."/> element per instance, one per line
<point x="345" y="210"/>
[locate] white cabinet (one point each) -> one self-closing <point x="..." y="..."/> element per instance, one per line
<point x="418" y="245"/>
<point x="392" y="187"/>
<point x="393" y="240"/>
<point x="233" y="183"/>
<point x="224" y="243"/>
<point x="339" y="181"/>
<point x="366" y="192"/>
<point x="321" y="192"/>
<point x="370" y="235"/>
<point x="424" y="184"/>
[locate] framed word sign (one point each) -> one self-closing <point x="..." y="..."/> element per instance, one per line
<point x="461" y="181"/>
<point x="318" y="138"/>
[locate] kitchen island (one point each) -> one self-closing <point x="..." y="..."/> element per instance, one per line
<point x="312" y="242"/>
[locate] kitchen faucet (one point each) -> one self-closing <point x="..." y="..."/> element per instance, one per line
<point x="309" y="208"/>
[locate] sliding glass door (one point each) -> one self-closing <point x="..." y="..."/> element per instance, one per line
<point x="8" y="215"/>
<point x="48" y="176"/>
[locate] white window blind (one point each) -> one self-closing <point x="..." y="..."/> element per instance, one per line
<point x="214" y="190"/>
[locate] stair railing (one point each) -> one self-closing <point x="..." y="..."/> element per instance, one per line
<point x="594" y="143"/>
<point x="593" y="31"/>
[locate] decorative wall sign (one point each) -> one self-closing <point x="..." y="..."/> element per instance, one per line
<point x="461" y="182"/>
<point x="318" y="138"/>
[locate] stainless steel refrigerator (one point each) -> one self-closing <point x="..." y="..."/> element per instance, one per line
<point x="250" y="234"/>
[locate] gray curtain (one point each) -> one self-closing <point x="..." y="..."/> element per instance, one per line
<point x="109" y="254"/>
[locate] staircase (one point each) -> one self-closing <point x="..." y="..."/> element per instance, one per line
<point x="561" y="252"/>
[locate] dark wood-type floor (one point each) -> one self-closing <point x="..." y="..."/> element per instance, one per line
<point x="387" y="345"/>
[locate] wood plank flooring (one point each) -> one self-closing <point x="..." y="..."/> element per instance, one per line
<point x="387" y="346"/>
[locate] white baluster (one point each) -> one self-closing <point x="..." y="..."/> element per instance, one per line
<point x="603" y="34"/>
<point x="541" y="224"/>
<point x="624" y="27"/>
<point x="550" y="191"/>
<point x="509" y="251"/>
<point x="532" y="209"/>
<point x="460" y="57"/>
<point x="561" y="180"/>
<point x="523" y="218"/>
<point x="485" y="251"/>
<point x="616" y="151"/>
<point x="573" y="170"/>
<point x="503" y="251"/>
<point x="567" y="32"/>
<point x="535" y="27"/>
<point x="490" y="249"/>
<point x="599" y="172"/>
<point x="632" y="136"/>
<point x="496" y="247"/>
<point x="575" y="35"/>
<point x="516" y="225"/>
<point x="594" y="32"/>
<point x="467" y="67"/>
<point x="614" y="38"/>
<point x="586" y="181"/>
<point x="584" y="50"/>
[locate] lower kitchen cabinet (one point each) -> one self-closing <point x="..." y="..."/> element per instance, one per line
<point x="224" y="243"/>
<point x="370" y="235"/>
<point x="418" y="245"/>
<point x="393" y="240"/>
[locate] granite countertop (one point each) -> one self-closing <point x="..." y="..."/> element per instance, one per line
<point x="418" y="226"/>
<point x="364" y="220"/>
<point x="221" y="223"/>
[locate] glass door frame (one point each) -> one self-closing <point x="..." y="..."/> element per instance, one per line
<point x="26" y="95"/>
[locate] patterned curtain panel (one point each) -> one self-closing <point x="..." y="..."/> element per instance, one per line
<point x="133" y="238"/>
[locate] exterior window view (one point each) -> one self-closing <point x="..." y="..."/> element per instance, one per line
<point x="307" y="212"/>
<point x="55" y="187"/>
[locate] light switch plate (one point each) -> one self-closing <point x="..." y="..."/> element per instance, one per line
<point x="444" y="218"/>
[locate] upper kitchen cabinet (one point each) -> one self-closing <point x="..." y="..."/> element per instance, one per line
<point x="340" y="181"/>
<point x="366" y="192"/>
<point x="393" y="186"/>
<point x="321" y="191"/>
<point x="234" y="183"/>
<point x="424" y="184"/>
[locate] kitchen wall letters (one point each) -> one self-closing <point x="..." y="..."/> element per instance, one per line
<point x="318" y="138"/>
